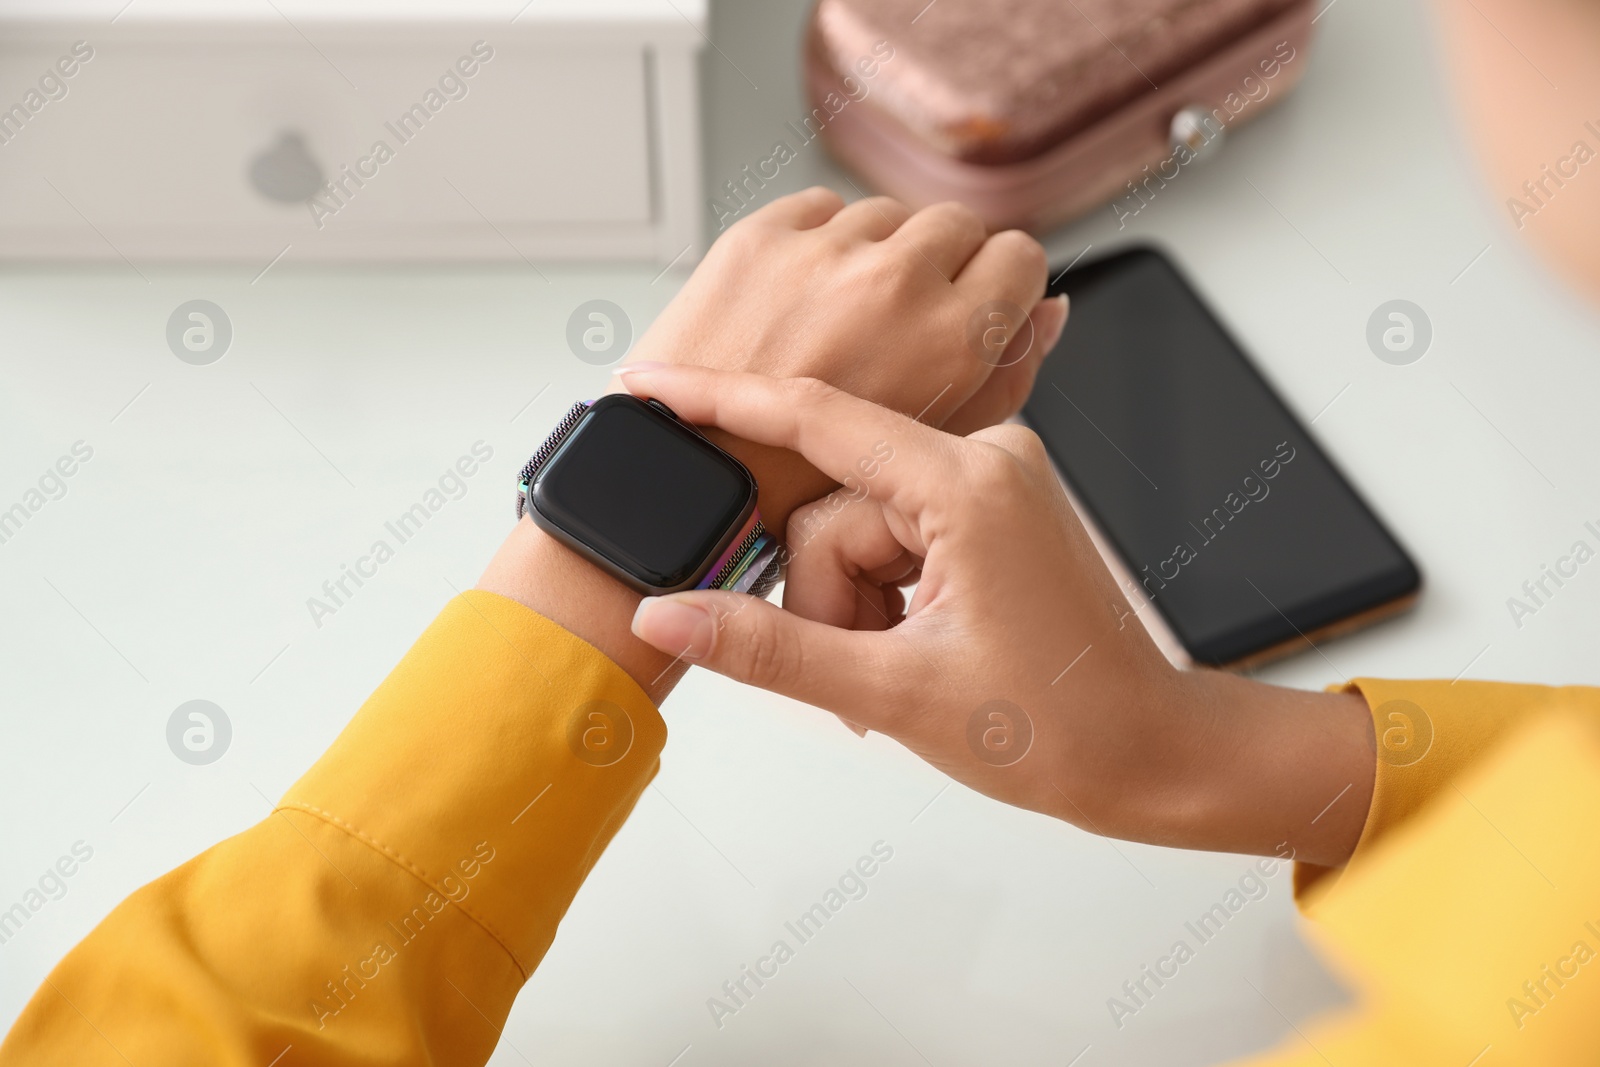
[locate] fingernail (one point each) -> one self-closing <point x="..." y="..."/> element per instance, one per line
<point x="683" y="629"/>
<point x="1061" y="324"/>
<point x="643" y="364"/>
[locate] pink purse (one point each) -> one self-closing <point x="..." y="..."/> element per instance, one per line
<point x="1035" y="111"/>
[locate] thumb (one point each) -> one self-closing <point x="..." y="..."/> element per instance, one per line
<point x="751" y="641"/>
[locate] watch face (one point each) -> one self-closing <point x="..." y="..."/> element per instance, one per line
<point x="645" y="492"/>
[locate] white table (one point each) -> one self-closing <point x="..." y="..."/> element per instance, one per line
<point x="219" y="498"/>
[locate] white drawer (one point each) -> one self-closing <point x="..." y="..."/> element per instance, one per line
<point x="452" y="139"/>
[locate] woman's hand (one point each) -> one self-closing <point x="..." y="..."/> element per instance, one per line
<point x="869" y="298"/>
<point x="1017" y="667"/>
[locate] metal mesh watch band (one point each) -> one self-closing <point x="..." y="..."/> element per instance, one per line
<point x="750" y="565"/>
<point x="545" y="451"/>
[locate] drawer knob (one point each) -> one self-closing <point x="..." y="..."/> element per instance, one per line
<point x="286" y="172"/>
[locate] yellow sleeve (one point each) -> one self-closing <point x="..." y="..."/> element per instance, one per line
<point x="393" y="904"/>
<point x="1471" y="930"/>
<point x="1427" y="734"/>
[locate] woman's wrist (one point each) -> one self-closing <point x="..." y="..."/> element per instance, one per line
<point x="1212" y="761"/>
<point x="541" y="573"/>
<point x="1252" y="768"/>
<point x="785" y="481"/>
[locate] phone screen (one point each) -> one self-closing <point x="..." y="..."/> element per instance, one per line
<point x="1236" y="524"/>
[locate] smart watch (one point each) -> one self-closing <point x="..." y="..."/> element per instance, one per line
<point x="630" y="486"/>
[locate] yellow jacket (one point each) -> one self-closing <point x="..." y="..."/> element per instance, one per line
<point x="401" y="893"/>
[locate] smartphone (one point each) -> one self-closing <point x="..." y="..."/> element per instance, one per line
<point x="1210" y="501"/>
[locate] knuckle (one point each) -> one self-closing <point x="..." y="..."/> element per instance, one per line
<point x="752" y="231"/>
<point x="890" y="210"/>
<point x="741" y="245"/>
<point x="993" y="465"/>
<point x="801" y="520"/>
<point x="1021" y="248"/>
<point x="968" y="224"/>
<point x="957" y="214"/>
<point x="1021" y="442"/>
<point x="804" y="524"/>
<point x="779" y="215"/>
<point x="762" y="657"/>
<point x="822" y="195"/>
<point x="742" y="234"/>
<point x="807" y="392"/>
<point x="891" y="274"/>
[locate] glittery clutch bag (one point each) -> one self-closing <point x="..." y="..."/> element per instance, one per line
<point x="1036" y="111"/>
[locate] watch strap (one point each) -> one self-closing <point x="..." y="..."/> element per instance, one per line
<point x="750" y="565"/>
<point x="531" y="468"/>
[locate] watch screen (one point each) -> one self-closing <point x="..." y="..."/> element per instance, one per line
<point x="643" y="490"/>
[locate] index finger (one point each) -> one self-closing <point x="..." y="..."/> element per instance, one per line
<point x="849" y="439"/>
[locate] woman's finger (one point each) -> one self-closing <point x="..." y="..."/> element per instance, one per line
<point x="945" y="235"/>
<point x="911" y="577"/>
<point x="1007" y="389"/>
<point x="1010" y="266"/>
<point x="874" y="609"/>
<point x="845" y="437"/>
<point x="857" y="675"/>
<point x="830" y="544"/>
<point x="872" y="218"/>
<point x="901" y="572"/>
<point x="804" y="210"/>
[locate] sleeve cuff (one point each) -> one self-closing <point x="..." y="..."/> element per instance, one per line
<point x="494" y="763"/>
<point x="1426" y="732"/>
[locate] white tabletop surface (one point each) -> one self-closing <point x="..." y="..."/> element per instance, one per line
<point x="219" y="498"/>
